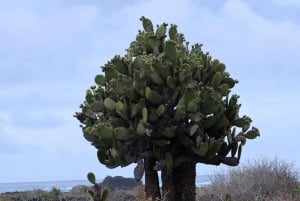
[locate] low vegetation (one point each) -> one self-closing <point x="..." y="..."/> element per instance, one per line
<point x="261" y="180"/>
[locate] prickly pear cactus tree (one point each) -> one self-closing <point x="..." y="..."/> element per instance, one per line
<point x="167" y="101"/>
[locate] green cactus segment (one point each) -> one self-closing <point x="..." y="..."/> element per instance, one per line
<point x="154" y="42"/>
<point x="240" y="122"/>
<point x="161" y="110"/>
<point x="89" y="136"/>
<point x="161" y="31"/>
<point x="148" y="93"/>
<point x="137" y="63"/>
<point x="153" y="117"/>
<point x="173" y="32"/>
<point x="214" y="147"/>
<point x="194" y="129"/>
<point x="118" y="122"/>
<point x="229" y="138"/>
<point x="114" y="153"/>
<point x="222" y="122"/>
<point x="145" y="115"/>
<point x="203" y="149"/>
<point x="106" y="133"/>
<point x="234" y="148"/>
<point x="252" y="134"/>
<point x="216" y="80"/>
<point x="170" y="131"/>
<point x="209" y="107"/>
<point x="121" y="133"/>
<point x="170" y="82"/>
<point x="224" y="89"/>
<point x="210" y="121"/>
<point x="120" y="65"/>
<point x="101" y="156"/>
<point x="89" y="96"/>
<point x="147" y="24"/>
<point x="91" y="192"/>
<point x="153" y="96"/>
<point x="219" y="67"/>
<point x="170" y="50"/>
<point x="120" y="87"/>
<point x="192" y="106"/>
<point x="110" y="73"/>
<point x="91" y="177"/>
<point x="100" y="80"/>
<point x="231" y="82"/>
<point x="140" y="128"/>
<point x="97" y="106"/>
<point x="240" y="138"/>
<point x="109" y="104"/>
<point x="240" y="151"/>
<point x="233" y="100"/>
<point x="104" y="194"/>
<point x="156" y="78"/>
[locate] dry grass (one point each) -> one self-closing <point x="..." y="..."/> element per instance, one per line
<point x="261" y="180"/>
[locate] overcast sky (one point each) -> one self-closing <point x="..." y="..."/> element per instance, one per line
<point x="50" y="52"/>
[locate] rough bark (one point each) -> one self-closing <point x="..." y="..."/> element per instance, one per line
<point x="188" y="181"/>
<point x="179" y="185"/>
<point x="151" y="180"/>
<point x="168" y="186"/>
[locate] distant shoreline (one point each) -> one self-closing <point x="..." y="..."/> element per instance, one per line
<point x="66" y="186"/>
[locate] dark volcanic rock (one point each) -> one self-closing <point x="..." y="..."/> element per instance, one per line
<point x="120" y="182"/>
<point x="79" y="189"/>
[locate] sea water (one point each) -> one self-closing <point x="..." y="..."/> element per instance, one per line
<point x="66" y="186"/>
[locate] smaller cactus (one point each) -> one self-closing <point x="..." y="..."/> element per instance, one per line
<point x="96" y="193"/>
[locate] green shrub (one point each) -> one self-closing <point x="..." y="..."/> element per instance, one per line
<point x="262" y="179"/>
<point x="54" y="194"/>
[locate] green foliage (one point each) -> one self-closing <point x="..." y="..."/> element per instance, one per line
<point x="54" y="194"/>
<point x="164" y="99"/>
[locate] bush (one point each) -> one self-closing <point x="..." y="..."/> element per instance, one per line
<point x="262" y="179"/>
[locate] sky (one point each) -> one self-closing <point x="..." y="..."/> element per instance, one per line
<point x="50" y="52"/>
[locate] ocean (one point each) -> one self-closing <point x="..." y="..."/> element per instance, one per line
<point x="66" y="186"/>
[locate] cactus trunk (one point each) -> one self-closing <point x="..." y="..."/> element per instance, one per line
<point x="151" y="180"/>
<point x="180" y="184"/>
